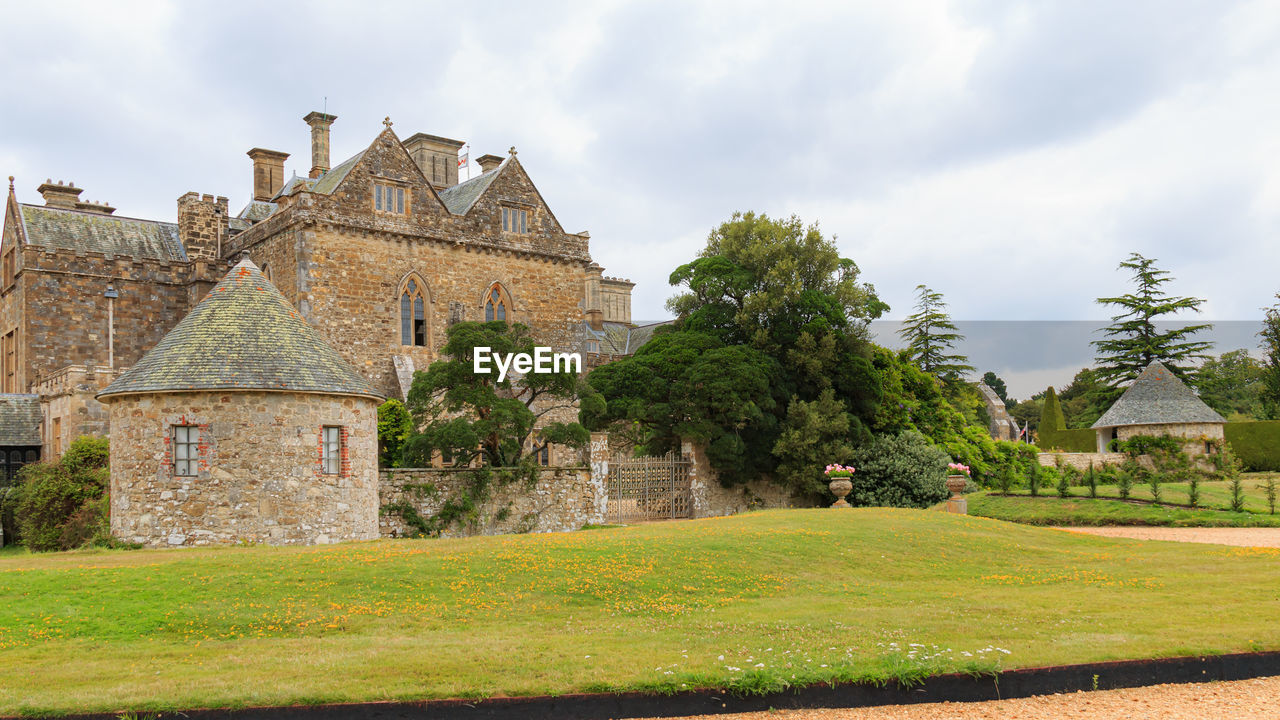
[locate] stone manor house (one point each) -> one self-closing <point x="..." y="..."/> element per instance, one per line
<point x="379" y="254"/>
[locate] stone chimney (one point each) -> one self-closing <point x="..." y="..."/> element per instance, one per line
<point x="60" y="195"/>
<point x="319" y="123"/>
<point x="592" y="302"/>
<point x="488" y="162"/>
<point x="202" y="225"/>
<point x="268" y="172"/>
<point x="436" y="157"/>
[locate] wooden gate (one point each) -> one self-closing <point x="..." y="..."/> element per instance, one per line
<point x="649" y="488"/>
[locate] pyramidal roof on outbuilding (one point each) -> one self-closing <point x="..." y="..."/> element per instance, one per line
<point x="1158" y="397"/>
<point x="244" y="335"/>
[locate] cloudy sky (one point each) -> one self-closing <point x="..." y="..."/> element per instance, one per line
<point x="1008" y="155"/>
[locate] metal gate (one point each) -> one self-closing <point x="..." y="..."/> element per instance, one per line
<point x="649" y="488"/>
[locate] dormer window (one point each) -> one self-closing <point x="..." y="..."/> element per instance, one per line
<point x="390" y="198"/>
<point x="515" y="220"/>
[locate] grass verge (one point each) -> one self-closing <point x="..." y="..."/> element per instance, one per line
<point x="753" y="603"/>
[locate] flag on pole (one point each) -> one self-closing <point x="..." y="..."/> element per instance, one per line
<point x="462" y="160"/>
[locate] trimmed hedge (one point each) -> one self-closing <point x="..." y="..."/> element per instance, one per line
<point x="1257" y="444"/>
<point x="1076" y="440"/>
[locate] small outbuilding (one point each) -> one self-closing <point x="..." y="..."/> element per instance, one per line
<point x="1158" y="403"/>
<point x="243" y="424"/>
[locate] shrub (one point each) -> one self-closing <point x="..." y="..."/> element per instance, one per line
<point x="1064" y="481"/>
<point x="1193" y="490"/>
<point x="1237" y="494"/>
<point x="394" y="427"/>
<point x="1153" y="482"/>
<point x="902" y="470"/>
<point x="1257" y="443"/>
<point x="1269" y="490"/>
<point x="61" y="504"/>
<point x="1124" y="479"/>
<point x="1005" y="479"/>
<point x="1035" y="477"/>
<point x="1091" y="480"/>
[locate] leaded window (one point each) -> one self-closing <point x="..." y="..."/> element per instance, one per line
<point x="413" y="314"/>
<point x="186" y="450"/>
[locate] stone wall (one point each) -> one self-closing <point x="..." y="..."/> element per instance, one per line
<point x="66" y="312"/>
<point x="562" y="499"/>
<point x="260" y="475"/>
<point x="1080" y="461"/>
<point x="711" y="499"/>
<point x="1195" y="435"/>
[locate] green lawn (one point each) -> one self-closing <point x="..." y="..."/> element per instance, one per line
<point x="1108" y="509"/>
<point x="757" y="601"/>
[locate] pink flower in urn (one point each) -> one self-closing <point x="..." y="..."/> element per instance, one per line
<point x="958" y="468"/>
<point x="835" y="470"/>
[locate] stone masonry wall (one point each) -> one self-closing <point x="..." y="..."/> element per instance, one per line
<point x="355" y="304"/>
<point x="260" y="473"/>
<point x="1194" y="434"/>
<point x="711" y="499"/>
<point x="562" y="499"/>
<point x="1080" y="461"/>
<point x="67" y="314"/>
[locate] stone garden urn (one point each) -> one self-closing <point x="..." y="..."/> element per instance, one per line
<point x="957" y="504"/>
<point x="840" y="487"/>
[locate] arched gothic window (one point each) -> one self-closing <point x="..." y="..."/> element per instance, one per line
<point x="496" y="304"/>
<point x="413" y="313"/>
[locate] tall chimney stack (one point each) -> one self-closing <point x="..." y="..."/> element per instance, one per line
<point x="489" y="162"/>
<point x="319" y="123"/>
<point x="268" y="172"/>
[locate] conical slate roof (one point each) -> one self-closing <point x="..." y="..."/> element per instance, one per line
<point x="244" y="335"/>
<point x="1158" y="397"/>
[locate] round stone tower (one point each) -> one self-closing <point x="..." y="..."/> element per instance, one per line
<point x="243" y="424"/>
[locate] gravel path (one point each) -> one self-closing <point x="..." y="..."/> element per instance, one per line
<point x="1246" y="537"/>
<point x="1239" y="700"/>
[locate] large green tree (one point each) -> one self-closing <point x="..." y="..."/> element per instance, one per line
<point x="1270" y="336"/>
<point x="931" y="337"/>
<point x="1232" y="384"/>
<point x="465" y="416"/>
<point x="766" y="299"/>
<point x="1133" y="341"/>
<point x="685" y="384"/>
<point x="1086" y="398"/>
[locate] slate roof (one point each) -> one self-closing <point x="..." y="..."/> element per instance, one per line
<point x="19" y="420"/>
<point x="334" y="176"/>
<point x="622" y="339"/>
<point x="257" y="210"/>
<point x="459" y="198"/>
<point x="1157" y="397"/>
<point x="244" y="335"/>
<point x="94" y="232"/>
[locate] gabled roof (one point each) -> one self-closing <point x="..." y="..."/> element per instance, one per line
<point x="244" y="335"/>
<point x="459" y="198"/>
<point x="94" y="232"/>
<point x="1157" y="397"/>
<point x="19" y="420"/>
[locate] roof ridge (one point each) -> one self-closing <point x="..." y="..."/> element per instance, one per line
<point x="91" y="213"/>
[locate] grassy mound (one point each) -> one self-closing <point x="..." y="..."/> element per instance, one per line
<point x="755" y="602"/>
